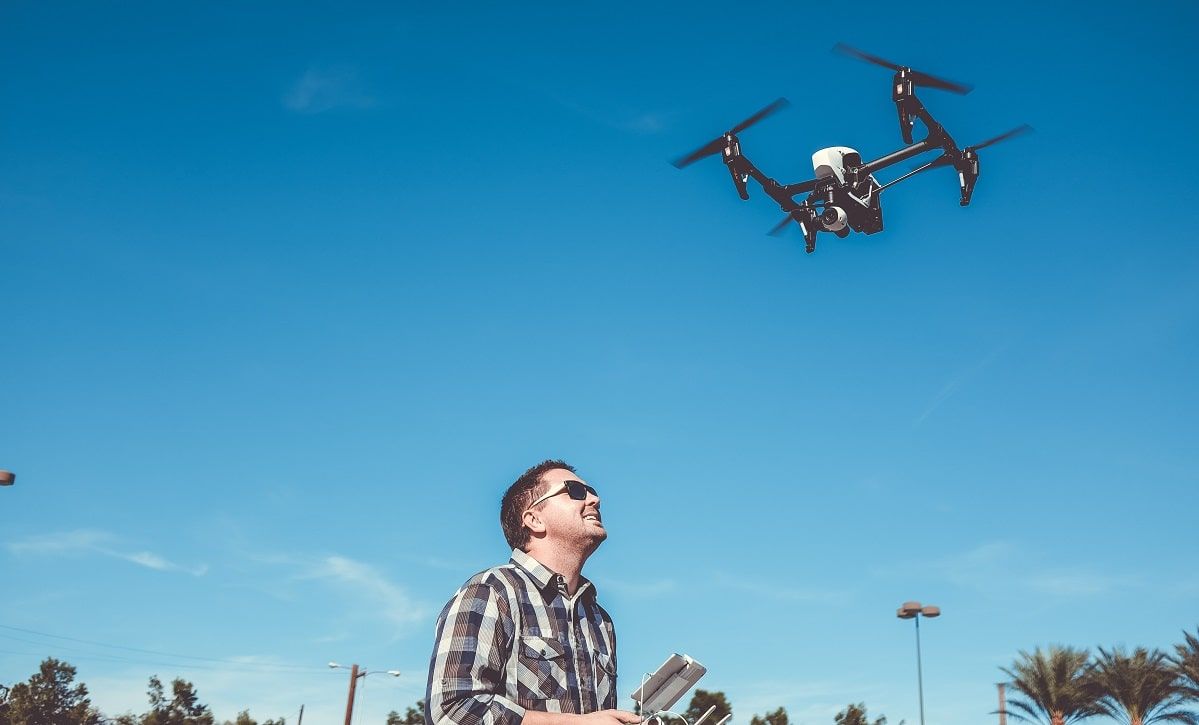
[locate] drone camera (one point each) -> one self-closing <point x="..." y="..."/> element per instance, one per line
<point x="834" y="218"/>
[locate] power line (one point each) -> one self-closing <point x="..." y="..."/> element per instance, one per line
<point x="279" y="667"/>
<point x="170" y="665"/>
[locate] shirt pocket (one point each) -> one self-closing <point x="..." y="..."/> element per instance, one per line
<point x="541" y="664"/>
<point x="605" y="680"/>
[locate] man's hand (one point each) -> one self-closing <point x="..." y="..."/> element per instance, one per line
<point x="600" y="717"/>
<point x="610" y="717"/>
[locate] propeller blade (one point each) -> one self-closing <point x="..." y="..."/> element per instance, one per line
<point x="712" y="147"/>
<point x="1017" y="131"/>
<point x="853" y="52"/>
<point x="781" y="226"/>
<point x="715" y="145"/>
<point x="778" y="105"/>
<point x="931" y="81"/>
<point x="918" y="78"/>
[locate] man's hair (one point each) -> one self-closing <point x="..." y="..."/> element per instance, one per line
<point x="518" y="497"/>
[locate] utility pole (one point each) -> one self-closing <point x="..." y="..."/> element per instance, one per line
<point x="301" y="720"/>
<point x="353" y="686"/>
<point x="355" y="673"/>
<point x="1002" y="705"/>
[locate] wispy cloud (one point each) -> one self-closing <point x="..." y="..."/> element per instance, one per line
<point x="773" y="590"/>
<point x="1005" y="565"/>
<point x="637" y="590"/>
<point x="638" y="122"/>
<point x="93" y="541"/>
<point x="322" y="89"/>
<point x="368" y="584"/>
<point x="1078" y="583"/>
<point x="954" y="384"/>
<point x="820" y="699"/>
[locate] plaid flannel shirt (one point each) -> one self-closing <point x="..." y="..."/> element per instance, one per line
<point x="511" y="640"/>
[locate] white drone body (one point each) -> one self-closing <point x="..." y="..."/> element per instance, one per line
<point x="832" y="162"/>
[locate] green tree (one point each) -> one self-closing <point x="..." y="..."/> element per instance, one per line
<point x="1139" y="688"/>
<point x="702" y="700"/>
<point x="777" y="717"/>
<point x="1052" y="686"/>
<point x="414" y="715"/>
<point x="243" y="718"/>
<point x="184" y="707"/>
<point x="51" y="697"/>
<point x="856" y="715"/>
<point x="1186" y="664"/>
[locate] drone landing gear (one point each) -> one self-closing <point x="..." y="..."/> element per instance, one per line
<point x="808" y="223"/>
<point x="967" y="175"/>
<point x="732" y="161"/>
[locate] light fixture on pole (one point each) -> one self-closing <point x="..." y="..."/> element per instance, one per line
<point x="914" y="610"/>
<point x="7" y="478"/>
<point x="354" y="675"/>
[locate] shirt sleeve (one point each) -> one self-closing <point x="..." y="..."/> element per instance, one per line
<point x="466" y="674"/>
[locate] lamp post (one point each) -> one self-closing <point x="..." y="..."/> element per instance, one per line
<point x="914" y="610"/>
<point x="7" y="478"/>
<point x="354" y="675"/>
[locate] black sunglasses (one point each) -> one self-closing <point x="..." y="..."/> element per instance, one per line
<point x="577" y="490"/>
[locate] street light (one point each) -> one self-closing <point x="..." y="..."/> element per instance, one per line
<point x="914" y="610"/>
<point x="7" y="478"/>
<point x="354" y="675"/>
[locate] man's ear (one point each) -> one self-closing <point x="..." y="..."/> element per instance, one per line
<point x="533" y="522"/>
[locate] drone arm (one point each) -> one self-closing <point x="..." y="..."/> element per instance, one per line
<point x="896" y="157"/>
<point x="782" y="194"/>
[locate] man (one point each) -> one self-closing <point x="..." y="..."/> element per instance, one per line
<point x="526" y="643"/>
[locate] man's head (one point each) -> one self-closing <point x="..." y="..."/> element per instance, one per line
<point x="541" y="506"/>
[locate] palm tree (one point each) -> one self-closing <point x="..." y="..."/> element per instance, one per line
<point x="1053" y="684"/>
<point x="1186" y="664"/>
<point x="1139" y="688"/>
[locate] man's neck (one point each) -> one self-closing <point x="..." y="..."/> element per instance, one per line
<point x="567" y="563"/>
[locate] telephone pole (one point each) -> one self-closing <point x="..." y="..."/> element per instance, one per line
<point x="353" y="685"/>
<point x="354" y="675"/>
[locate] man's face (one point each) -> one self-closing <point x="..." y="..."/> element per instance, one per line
<point x="568" y="521"/>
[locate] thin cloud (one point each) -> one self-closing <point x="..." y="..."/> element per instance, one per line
<point x="93" y="541"/>
<point x="954" y="384"/>
<point x="1078" y="583"/>
<point x="641" y="123"/>
<point x="773" y="590"/>
<point x="325" y="89"/>
<point x="1002" y="563"/>
<point x="637" y="590"/>
<point x="822" y="699"/>
<point x="369" y="584"/>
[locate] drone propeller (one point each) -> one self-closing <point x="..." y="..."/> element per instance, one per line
<point x="1022" y="129"/>
<point x="947" y="160"/>
<point x="918" y="78"/>
<point x="715" y="145"/>
<point x="781" y="227"/>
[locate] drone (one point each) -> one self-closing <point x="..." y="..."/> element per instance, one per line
<point x="845" y="196"/>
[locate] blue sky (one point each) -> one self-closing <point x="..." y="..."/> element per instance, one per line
<point x="291" y="295"/>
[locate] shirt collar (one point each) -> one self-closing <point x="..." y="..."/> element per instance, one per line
<point x="545" y="578"/>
